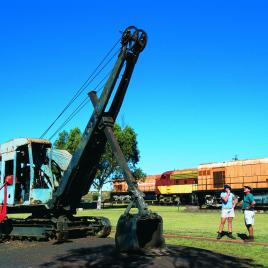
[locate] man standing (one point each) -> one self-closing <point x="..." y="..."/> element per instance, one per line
<point x="229" y="201"/>
<point x="248" y="209"/>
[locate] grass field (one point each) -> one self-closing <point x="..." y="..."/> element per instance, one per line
<point x="204" y="224"/>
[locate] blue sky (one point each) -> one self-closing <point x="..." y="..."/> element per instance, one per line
<point x="198" y="93"/>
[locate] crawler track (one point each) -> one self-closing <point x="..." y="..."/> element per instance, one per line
<point x="60" y="228"/>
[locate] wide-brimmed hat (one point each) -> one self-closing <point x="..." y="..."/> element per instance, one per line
<point x="248" y="187"/>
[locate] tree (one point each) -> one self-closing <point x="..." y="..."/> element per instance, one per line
<point x="73" y="140"/>
<point x="61" y="141"/>
<point x="108" y="168"/>
<point x="68" y="141"/>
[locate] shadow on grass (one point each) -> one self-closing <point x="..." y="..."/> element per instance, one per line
<point x="242" y="236"/>
<point x="107" y="256"/>
<point x="193" y="257"/>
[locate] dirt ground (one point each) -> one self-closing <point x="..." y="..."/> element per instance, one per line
<point x="100" y="252"/>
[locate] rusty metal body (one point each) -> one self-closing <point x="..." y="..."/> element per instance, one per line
<point x="25" y="160"/>
<point x="50" y="183"/>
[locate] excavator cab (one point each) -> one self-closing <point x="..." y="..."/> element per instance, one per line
<point x="35" y="172"/>
<point x="24" y="159"/>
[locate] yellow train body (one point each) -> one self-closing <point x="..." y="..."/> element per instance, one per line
<point x="177" y="189"/>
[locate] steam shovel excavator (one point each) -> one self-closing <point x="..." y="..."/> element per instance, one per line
<point x="49" y="183"/>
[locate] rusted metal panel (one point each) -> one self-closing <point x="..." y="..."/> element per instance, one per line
<point x="61" y="157"/>
<point x="10" y="165"/>
<point x="11" y="145"/>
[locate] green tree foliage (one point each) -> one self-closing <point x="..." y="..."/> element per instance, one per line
<point x="62" y="139"/>
<point x="73" y="140"/>
<point x="108" y="168"/>
<point x="68" y="141"/>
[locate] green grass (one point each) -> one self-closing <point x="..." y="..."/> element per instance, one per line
<point x="204" y="224"/>
<point x="259" y="254"/>
<point x="192" y="223"/>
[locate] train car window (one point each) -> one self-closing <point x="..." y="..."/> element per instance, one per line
<point x="22" y="186"/>
<point x="57" y="173"/>
<point x="219" y="179"/>
<point x="41" y="166"/>
<point x="9" y="167"/>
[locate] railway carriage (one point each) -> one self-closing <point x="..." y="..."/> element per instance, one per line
<point x="146" y="185"/>
<point x="170" y="188"/>
<point x="237" y="173"/>
<point x="176" y="187"/>
<point x="202" y="185"/>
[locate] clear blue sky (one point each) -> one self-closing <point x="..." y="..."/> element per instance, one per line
<point x="199" y="91"/>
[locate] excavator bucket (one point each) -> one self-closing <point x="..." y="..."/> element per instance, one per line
<point x="135" y="232"/>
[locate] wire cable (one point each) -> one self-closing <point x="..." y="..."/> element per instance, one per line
<point x="84" y="86"/>
<point x="98" y="87"/>
<point x="71" y="116"/>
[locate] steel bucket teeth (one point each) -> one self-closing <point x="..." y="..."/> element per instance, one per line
<point x="135" y="232"/>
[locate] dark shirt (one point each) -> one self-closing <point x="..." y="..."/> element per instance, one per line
<point x="248" y="199"/>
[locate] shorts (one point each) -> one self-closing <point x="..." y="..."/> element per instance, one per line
<point x="249" y="217"/>
<point x="227" y="213"/>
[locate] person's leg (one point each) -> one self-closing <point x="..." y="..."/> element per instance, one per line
<point x="221" y="227"/>
<point x="230" y="227"/>
<point x="250" y="231"/>
<point x="249" y="221"/>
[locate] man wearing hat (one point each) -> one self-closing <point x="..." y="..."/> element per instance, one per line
<point x="229" y="201"/>
<point x="248" y="209"/>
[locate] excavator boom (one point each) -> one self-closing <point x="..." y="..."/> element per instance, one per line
<point x="56" y="196"/>
<point x="82" y="169"/>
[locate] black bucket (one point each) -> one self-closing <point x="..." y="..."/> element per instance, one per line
<point x="135" y="232"/>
